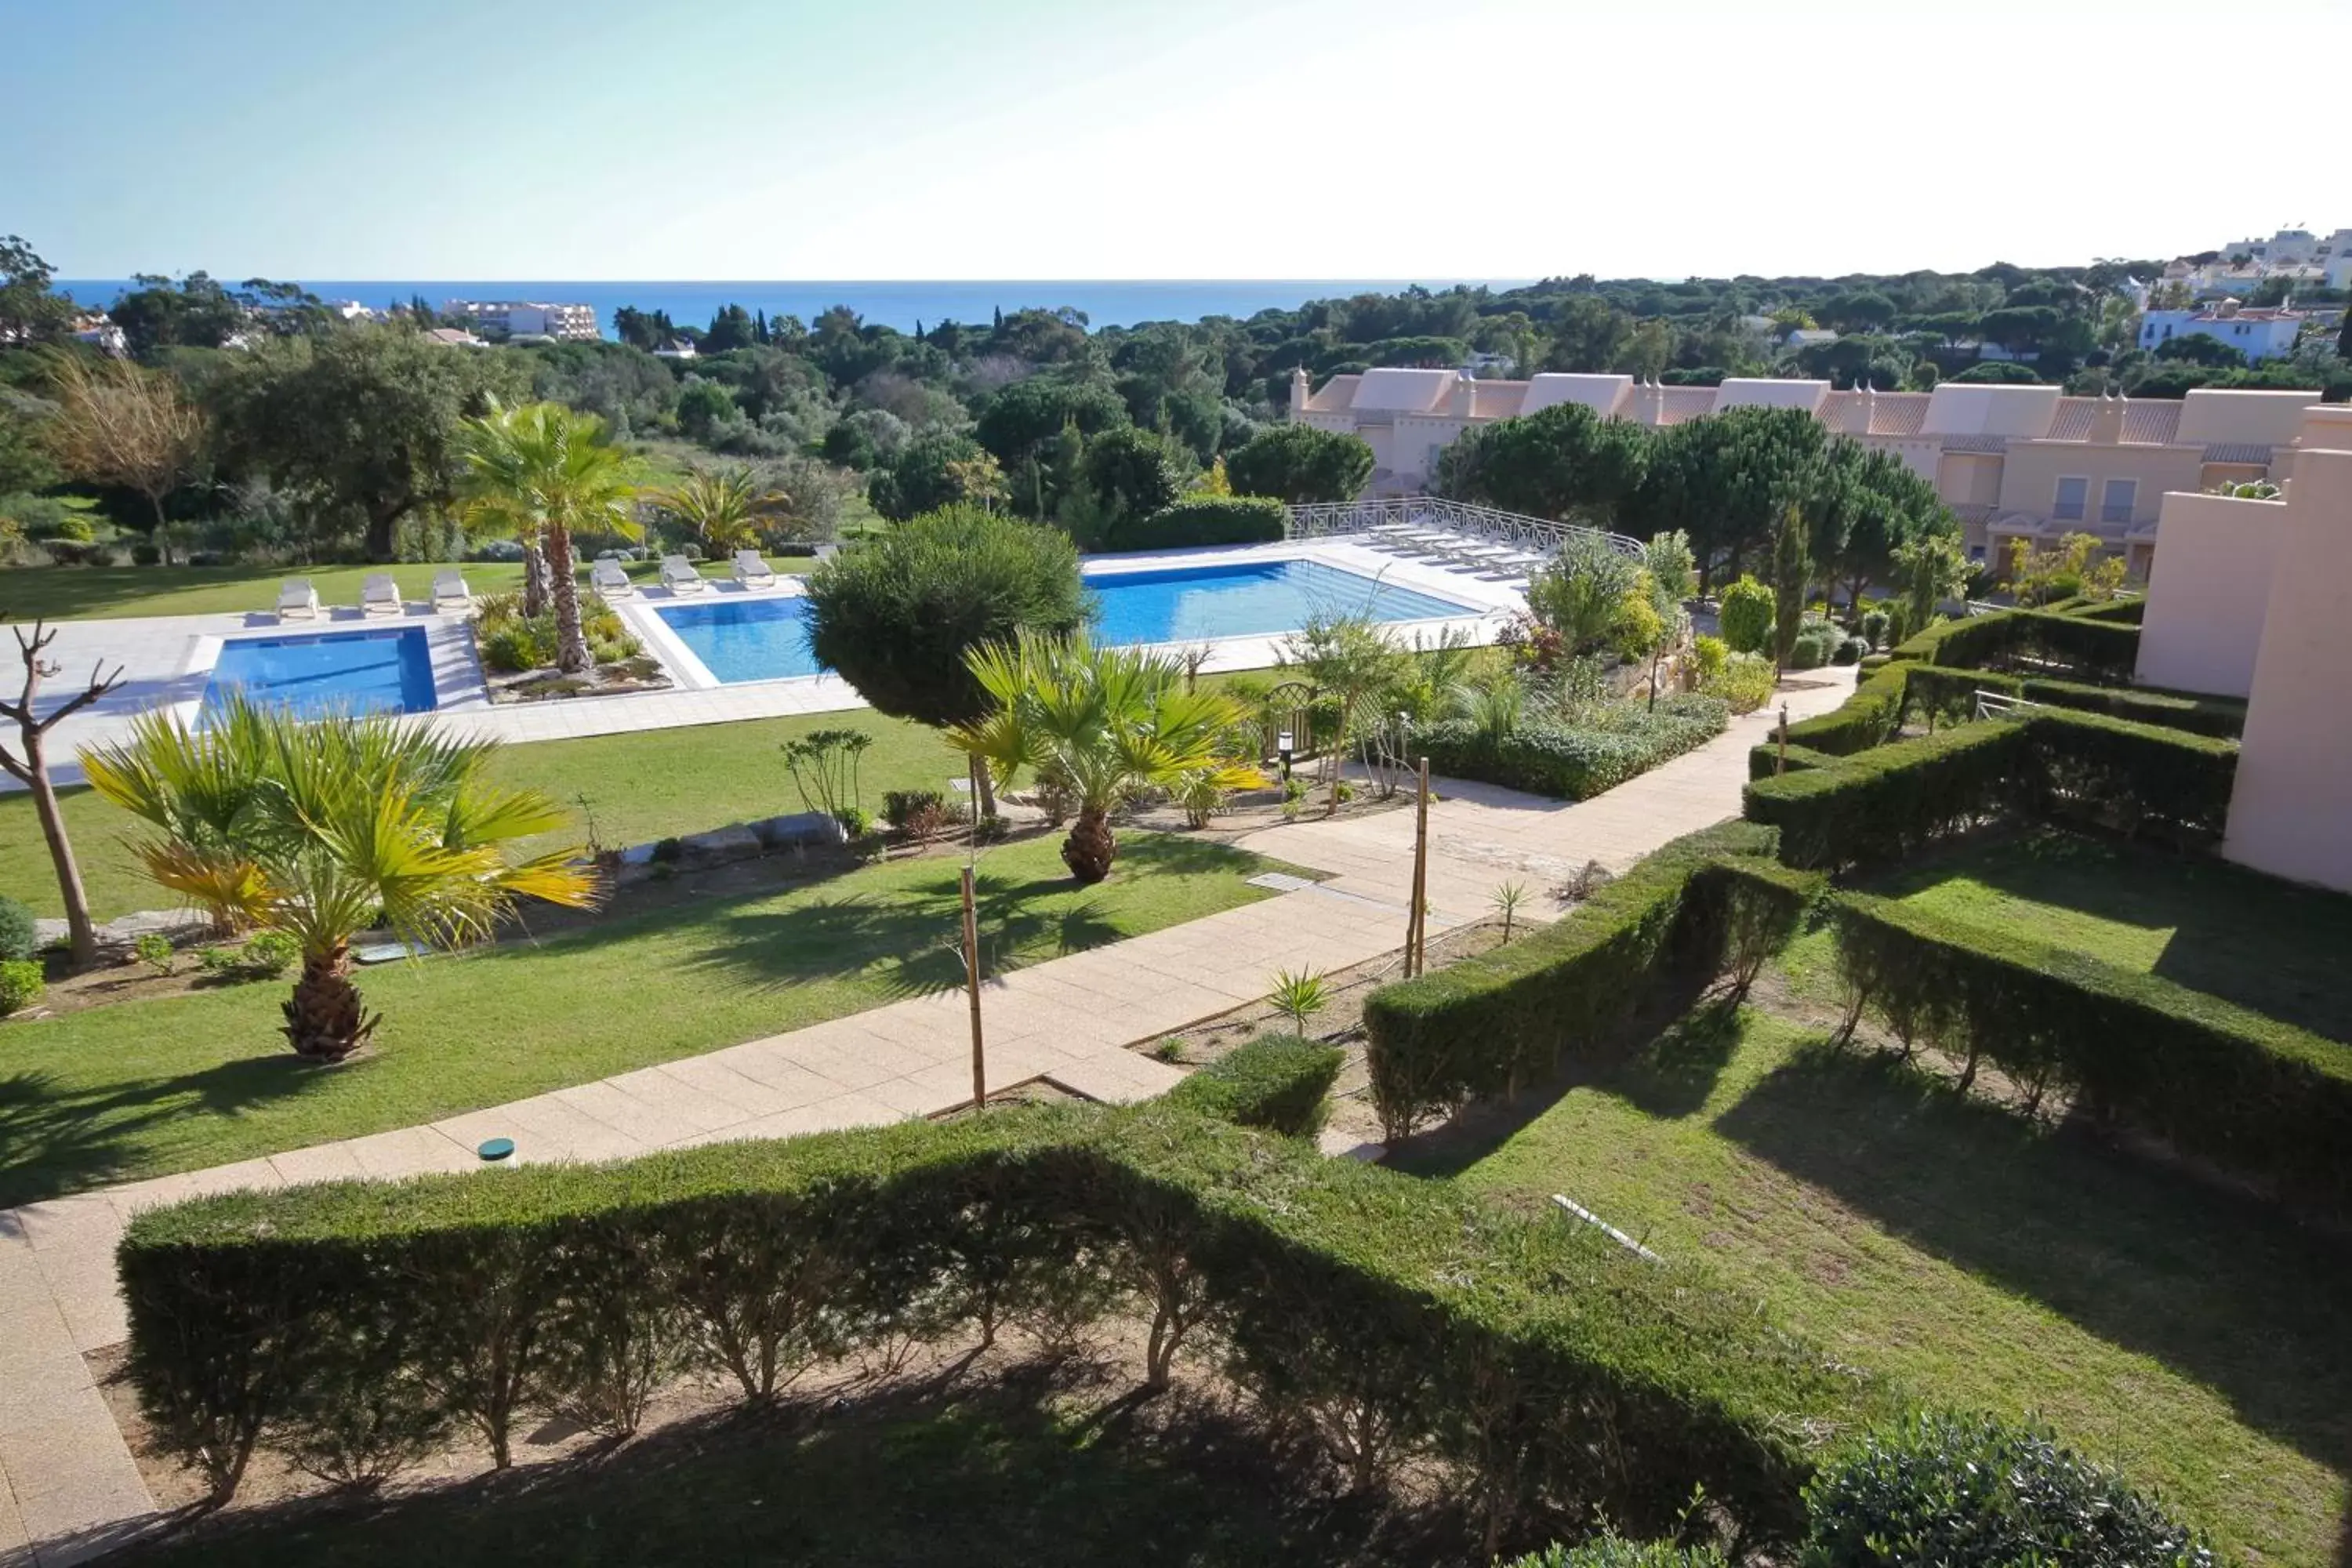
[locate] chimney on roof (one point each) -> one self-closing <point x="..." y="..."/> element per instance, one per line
<point x="2108" y="420"/>
<point x="1860" y="407"/>
<point x="1298" y="390"/>
<point x="1465" y="395"/>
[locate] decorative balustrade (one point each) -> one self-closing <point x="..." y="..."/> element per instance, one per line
<point x="1325" y="519"/>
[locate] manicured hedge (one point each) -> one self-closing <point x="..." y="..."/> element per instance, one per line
<point x="1556" y="1376"/>
<point x="1493" y="1024"/>
<point x="1869" y="718"/>
<point x="1881" y="804"/>
<point x="1573" y="762"/>
<point x="2217" y="1080"/>
<point x="2123" y="612"/>
<point x="1277" y="1082"/>
<point x="1938" y="693"/>
<point x="1766" y="759"/>
<point x="1189" y="525"/>
<point x="2094" y="649"/>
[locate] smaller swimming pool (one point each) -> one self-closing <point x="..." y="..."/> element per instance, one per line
<point x="746" y="639"/>
<point x="388" y="670"/>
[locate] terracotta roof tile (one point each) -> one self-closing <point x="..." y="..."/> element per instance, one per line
<point x="1679" y="403"/>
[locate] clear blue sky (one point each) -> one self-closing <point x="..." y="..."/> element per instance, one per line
<point x="890" y="139"/>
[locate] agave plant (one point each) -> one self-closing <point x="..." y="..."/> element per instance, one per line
<point x="321" y="830"/>
<point x="1102" y="722"/>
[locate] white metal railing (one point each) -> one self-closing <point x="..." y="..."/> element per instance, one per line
<point x="2000" y="704"/>
<point x="1324" y="519"/>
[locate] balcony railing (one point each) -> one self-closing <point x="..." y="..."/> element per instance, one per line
<point x="1324" y="519"/>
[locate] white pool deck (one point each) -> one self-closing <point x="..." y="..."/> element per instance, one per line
<point x="167" y="660"/>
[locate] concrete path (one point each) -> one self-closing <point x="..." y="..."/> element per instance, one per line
<point x="68" y="1488"/>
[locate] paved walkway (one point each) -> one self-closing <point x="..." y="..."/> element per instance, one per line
<point x="68" y="1488"/>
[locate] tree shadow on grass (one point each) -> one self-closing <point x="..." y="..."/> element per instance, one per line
<point x="2222" y="1286"/>
<point x="999" y="1467"/>
<point x="58" y="1138"/>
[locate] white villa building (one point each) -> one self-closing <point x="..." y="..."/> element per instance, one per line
<point x="2011" y="461"/>
<point x="522" y="318"/>
<point x="2258" y="333"/>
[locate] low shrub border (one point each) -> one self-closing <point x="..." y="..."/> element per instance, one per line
<point x="1493" y="1024"/>
<point x="1560" y="1377"/>
<point x="1572" y="762"/>
<point x="1882" y="804"/>
<point x="2213" y="1079"/>
<point x="1278" y="1083"/>
<point x="1206" y="521"/>
<point x="2104" y="650"/>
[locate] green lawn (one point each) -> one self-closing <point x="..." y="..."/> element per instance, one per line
<point x="111" y="593"/>
<point x="2254" y="940"/>
<point x="987" y="1473"/>
<point x="640" y="787"/>
<point x="2189" y="1335"/>
<point x="142" y="1089"/>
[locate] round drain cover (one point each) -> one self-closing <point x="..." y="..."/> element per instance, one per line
<point x="496" y="1148"/>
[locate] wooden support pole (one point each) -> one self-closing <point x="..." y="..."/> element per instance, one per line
<point x="971" y="984"/>
<point x="1417" y="927"/>
<point x="1781" y="766"/>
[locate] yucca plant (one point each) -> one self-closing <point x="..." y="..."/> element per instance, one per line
<point x="321" y="830"/>
<point x="1507" y="900"/>
<point x="1298" y="996"/>
<point x="1105" y="722"/>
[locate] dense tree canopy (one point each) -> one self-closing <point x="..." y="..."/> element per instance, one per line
<point x="896" y="615"/>
<point x="1560" y="462"/>
<point x="1299" y="465"/>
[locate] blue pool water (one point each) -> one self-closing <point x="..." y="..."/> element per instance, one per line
<point x="766" y="640"/>
<point x="359" y="672"/>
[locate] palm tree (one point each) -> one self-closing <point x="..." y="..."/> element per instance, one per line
<point x="1105" y="722"/>
<point x="552" y="470"/>
<point x="723" y="507"/>
<point x="1350" y="658"/>
<point x="322" y="830"/>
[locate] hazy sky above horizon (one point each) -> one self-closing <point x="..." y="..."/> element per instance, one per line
<point x="1063" y="139"/>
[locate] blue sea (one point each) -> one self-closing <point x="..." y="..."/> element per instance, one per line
<point x="900" y="305"/>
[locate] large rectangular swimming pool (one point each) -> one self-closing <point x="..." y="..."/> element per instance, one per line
<point x="388" y="670"/>
<point x="767" y="639"/>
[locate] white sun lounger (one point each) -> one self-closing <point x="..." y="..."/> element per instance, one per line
<point x="607" y="577"/>
<point x="379" y="594"/>
<point x="752" y="572"/>
<point x="297" y="597"/>
<point x="450" y="593"/>
<point x="678" y="575"/>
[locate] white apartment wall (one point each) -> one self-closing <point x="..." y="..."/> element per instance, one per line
<point x="2208" y="595"/>
<point x="2290" y="810"/>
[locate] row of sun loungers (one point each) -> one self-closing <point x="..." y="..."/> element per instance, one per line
<point x="1488" y="558"/>
<point x="379" y="594"/>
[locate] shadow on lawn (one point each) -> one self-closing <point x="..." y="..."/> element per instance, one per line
<point x="1030" y="1466"/>
<point x="55" y="1139"/>
<point x="2224" y="1288"/>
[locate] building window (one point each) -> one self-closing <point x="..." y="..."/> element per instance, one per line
<point x="2116" y="501"/>
<point x="2074" y="497"/>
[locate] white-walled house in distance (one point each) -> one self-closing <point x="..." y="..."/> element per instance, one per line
<point x="2256" y="332"/>
<point x="2256" y="600"/>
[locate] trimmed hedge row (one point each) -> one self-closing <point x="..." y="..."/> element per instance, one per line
<point x="1868" y="718"/>
<point x="1557" y="1375"/>
<point x="1893" y="800"/>
<point x="1572" y="763"/>
<point x="1493" y="1024"/>
<point x="2098" y="649"/>
<point x="1203" y="520"/>
<point x="2214" y="1080"/>
<point x="1940" y="692"/>
<point x="1278" y="1083"/>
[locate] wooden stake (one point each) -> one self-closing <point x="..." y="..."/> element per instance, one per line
<point x="1416" y="939"/>
<point x="971" y="984"/>
<point x="1781" y="766"/>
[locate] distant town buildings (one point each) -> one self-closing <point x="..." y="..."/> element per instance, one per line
<point x="2013" y="462"/>
<point x="498" y="318"/>
<point x="2258" y="332"/>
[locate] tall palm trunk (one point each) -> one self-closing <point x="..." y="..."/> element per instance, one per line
<point x="325" y="1019"/>
<point x="1090" y="848"/>
<point x="571" y="642"/>
<point x="534" y="578"/>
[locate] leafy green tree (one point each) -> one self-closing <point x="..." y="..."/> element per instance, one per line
<point x="122" y="424"/>
<point x="2000" y="372"/>
<point x="1101" y="722"/>
<point x="365" y="418"/>
<point x="2344" y="338"/>
<point x="1860" y="311"/>
<point x="705" y="409"/>
<point x="1347" y="660"/>
<point x="2199" y="348"/>
<point x="195" y="313"/>
<point x="922" y="477"/>
<point x="336" y="826"/>
<point x="559" y="469"/>
<point x="29" y="312"/>
<point x="1792" y="572"/>
<point x="1300" y="465"/>
<point x="1746" y="615"/>
<point x="1579" y="594"/>
<point x="730" y="328"/>
<point x="896" y="614"/>
<point x="1865" y="504"/>
<point x="1560" y="462"/>
<point x="1726" y="479"/>
<point x="1928" y="571"/>
<point x="25" y="462"/>
<point x="1133" y="472"/>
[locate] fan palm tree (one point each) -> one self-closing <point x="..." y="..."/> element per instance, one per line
<point x="1104" y="722"/>
<point x="549" y="469"/>
<point x="722" y="508"/>
<point x="321" y="830"/>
